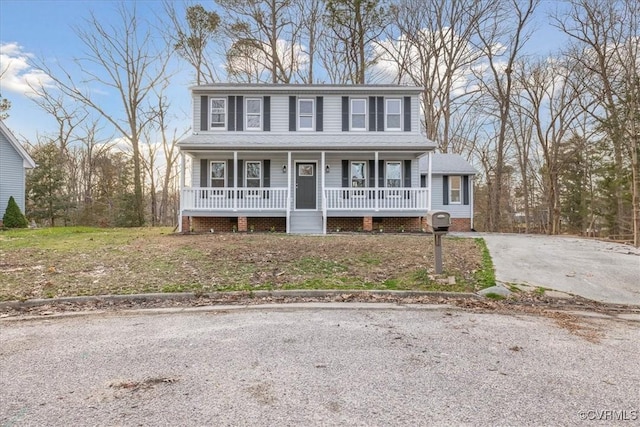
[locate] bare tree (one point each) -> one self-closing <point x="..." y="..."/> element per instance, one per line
<point x="120" y="59"/>
<point x="501" y="39"/>
<point x="605" y="35"/>
<point x="191" y="37"/>
<point x="434" y="49"/>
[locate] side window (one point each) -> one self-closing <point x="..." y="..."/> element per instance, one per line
<point x="305" y="114"/>
<point x="218" y="113"/>
<point x="218" y="174"/>
<point x="253" y="172"/>
<point x="254" y="114"/>
<point x="455" y="186"/>
<point x="393" y="114"/>
<point x="358" y="114"/>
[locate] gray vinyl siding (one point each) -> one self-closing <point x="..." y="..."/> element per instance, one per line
<point x="12" y="175"/>
<point x="332" y="110"/>
<point x="456" y="210"/>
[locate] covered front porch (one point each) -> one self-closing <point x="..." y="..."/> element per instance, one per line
<point x="300" y="189"/>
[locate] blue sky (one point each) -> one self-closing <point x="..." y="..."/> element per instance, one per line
<point x="44" y="28"/>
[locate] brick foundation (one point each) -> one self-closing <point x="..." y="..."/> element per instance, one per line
<point x="460" y="224"/>
<point x="388" y="225"/>
<point x="230" y="224"/>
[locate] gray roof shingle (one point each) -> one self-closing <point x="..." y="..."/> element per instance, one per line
<point x="447" y="164"/>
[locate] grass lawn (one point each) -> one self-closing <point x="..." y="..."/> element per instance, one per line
<point x="55" y="262"/>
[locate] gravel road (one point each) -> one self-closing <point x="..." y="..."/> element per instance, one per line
<point x="318" y="364"/>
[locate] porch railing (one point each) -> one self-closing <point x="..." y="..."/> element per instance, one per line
<point x="377" y="199"/>
<point x="230" y="199"/>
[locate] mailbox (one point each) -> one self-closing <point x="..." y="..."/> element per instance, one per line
<point x="439" y="220"/>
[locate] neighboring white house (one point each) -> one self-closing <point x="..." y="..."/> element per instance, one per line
<point x="304" y="159"/>
<point x="452" y="183"/>
<point x="14" y="161"/>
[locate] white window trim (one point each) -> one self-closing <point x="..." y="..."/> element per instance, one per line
<point x="351" y="113"/>
<point x="247" y="114"/>
<point x="386" y="114"/>
<point x="313" y="114"/>
<point x="451" y="188"/>
<point x="364" y="172"/>
<point x="224" y="121"/>
<point x="224" y="185"/>
<point x="392" y="193"/>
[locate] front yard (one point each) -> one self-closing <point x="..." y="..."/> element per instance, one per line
<point x="56" y="262"/>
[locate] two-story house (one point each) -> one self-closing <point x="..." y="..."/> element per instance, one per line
<point x="304" y="159"/>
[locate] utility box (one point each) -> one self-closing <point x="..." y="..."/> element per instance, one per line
<point x="439" y="221"/>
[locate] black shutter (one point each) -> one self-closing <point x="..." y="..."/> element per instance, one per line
<point x="407" y="173"/>
<point x="345" y="178"/>
<point x="204" y="173"/>
<point x="407" y="114"/>
<point x="266" y="176"/>
<point x="423" y="181"/>
<point x="372" y="177"/>
<point x="380" y="173"/>
<point x="292" y="114"/>
<point x="266" y="121"/>
<point x="345" y="113"/>
<point x="230" y="177"/>
<point x="445" y="190"/>
<point x="231" y="112"/>
<point x="372" y="113"/>
<point x="240" y="177"/>
<point x="465" y="189"/>
<point x="204" y="113"/>
<point x="380" y="114"/>
<point x="319" y="113"/>
<point x="239" y="113"/>
<point x="407" y="178"/>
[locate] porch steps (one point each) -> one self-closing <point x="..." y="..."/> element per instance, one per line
<point x="305" y="222"/>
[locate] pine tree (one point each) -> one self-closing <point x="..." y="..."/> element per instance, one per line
<point x="13" y="217"/>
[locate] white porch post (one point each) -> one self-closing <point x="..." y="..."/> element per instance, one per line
<point x="429" y="181"/>
<point x="182" y="182"/>
<point x="376" y="196"/>
<point x="322" y="198"/>
<point x="289" y="172"/>
<point x="471" y="179"/>
<point x="235" y="181"/>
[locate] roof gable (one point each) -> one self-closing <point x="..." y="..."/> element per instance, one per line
<point x="27" y="160"/>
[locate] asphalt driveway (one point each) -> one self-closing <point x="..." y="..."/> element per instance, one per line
<point x="594" y="269"/>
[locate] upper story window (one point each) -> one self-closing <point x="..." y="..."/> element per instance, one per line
<point x="305" y="114"/>
<point x="253" y="173"/>
<point x="393" y="114"/>
<point x="218" y="113"/>
<point x="455" y="186"/>
<point x="394" y="175"/>
<point x="218" y="174"/>
<point x="254" y="114"/>
<point x="358" y="114"/>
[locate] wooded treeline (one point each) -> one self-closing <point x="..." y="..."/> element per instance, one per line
<point x="555" y="138"/>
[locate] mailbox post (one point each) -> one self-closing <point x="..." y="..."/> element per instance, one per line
<point x="439" y="222"/>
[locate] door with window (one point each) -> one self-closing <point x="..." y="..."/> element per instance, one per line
<point x="306" y="186"/>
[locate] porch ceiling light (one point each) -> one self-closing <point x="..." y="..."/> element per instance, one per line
<point x="284" y="168"/>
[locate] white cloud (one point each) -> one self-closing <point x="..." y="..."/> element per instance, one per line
<point x="16" y="75"/>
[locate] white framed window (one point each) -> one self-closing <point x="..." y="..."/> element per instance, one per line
<point x="218" y="174"/>
<point x="393" y="175"/>
<point x="218" y="113"/>
<point x="253" y="173"/>
<point x="305" y="114"/>
<point x="253" y="116"/>
<point x="455" y="189"/>
<point x="393" y="113"/>
<point x="358" y="114"/>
